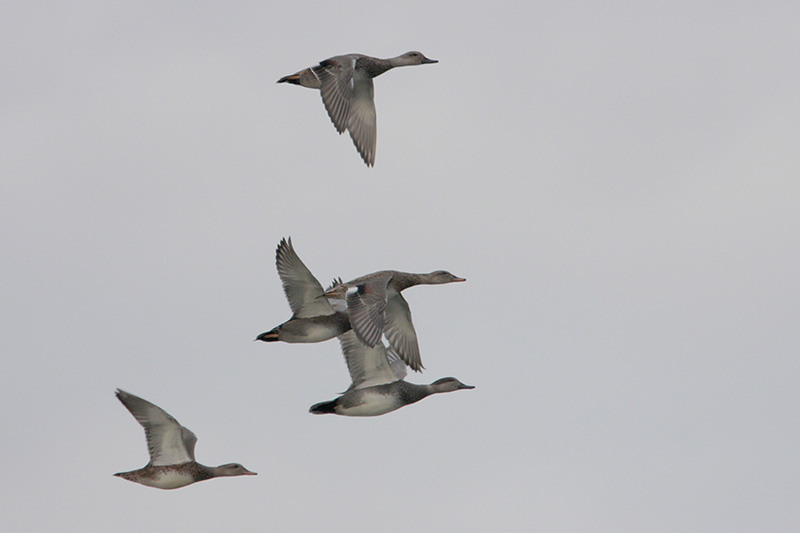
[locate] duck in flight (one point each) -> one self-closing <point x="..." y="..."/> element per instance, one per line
<point x="377" y="308"/>
<point x="345" y="83"/>
<point x="172" y="464"/>
<point x="314" y="319"/>
<point x="377" y="385"/>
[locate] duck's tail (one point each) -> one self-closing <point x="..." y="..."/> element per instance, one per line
<point x="269" y="336"/>
<point x="323" y="408"/>
<point x="304" y="78"/>
<point x="291" y="78"/>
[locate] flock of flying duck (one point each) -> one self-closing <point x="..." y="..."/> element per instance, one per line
<point x="359" y="313"/>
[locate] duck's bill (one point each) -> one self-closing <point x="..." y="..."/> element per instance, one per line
<point x="426" y="60"/>
<point x="459" y="279"/>
<point x="465" y="386"/>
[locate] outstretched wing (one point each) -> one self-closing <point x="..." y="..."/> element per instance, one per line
<point x="169" y="443"/>
<point x="336" y="88"/>
<point x="400" y="333"/>
<point x="300" y="286"/>
<point x="362" y="123"/>
<point x="367" y="366"/>
<point x="366" y="304"/>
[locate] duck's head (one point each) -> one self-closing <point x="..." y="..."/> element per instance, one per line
<point x="233" y="469"/>
<point x="438" y="277"/>
<point x="449" y="385"/>
<point x="412" y="58"/>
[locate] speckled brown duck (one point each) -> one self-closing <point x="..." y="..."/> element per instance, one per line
<point x="172" y="464"/>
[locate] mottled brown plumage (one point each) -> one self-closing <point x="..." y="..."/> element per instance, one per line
<point x="172" y="464"/>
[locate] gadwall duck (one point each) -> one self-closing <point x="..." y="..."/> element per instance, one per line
<point x="172" y="464"/>
<point x="378" y="386"/>
<point x="345" y="83"/>
<point x="314" y="319"/>
<point x="377" y="308"/>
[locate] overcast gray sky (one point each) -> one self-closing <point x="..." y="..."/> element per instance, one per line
<point x="619" y="182"/>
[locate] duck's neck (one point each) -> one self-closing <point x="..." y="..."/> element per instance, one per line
<point x="403" y="280"/>
<point x="209" y="471"/>
<point x="412" y="393"/>
<point x="373" y="66"/>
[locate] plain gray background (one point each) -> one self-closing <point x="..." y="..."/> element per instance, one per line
<point x="618" y="182"/>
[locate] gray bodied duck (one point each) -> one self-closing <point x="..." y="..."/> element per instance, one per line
<point x="314" y="319"/>
<point x="377" y="308"/>
<point x="345" y="83"/>
<point x="377" y="385"/>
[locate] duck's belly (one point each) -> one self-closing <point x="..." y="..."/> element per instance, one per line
<point x="301" y="331"/>
<point x="370" y="404"/>
<point x="168" y="480"/>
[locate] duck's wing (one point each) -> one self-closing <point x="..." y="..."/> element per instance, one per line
<point x="336" y="88"/>
<point x="189" y="440"/>
<point x="396" y="363"/>
<point x="400" y="333"/>
<point x="362" y="122"/>
<point x="366" y="304"/>
<point x="169" y="443"/>
<point x="368" y="367"/>
<point x="300" y="286"/>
